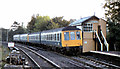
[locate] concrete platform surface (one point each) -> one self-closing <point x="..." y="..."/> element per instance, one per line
<point x="110" y="53"/>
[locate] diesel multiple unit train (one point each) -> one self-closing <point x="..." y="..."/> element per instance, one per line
<point x="61" y="39"/>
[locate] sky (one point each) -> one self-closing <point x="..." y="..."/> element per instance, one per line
<point x="23" y="10"/>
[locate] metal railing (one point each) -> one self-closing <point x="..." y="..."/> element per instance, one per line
<point x="105" y="41"/>
<point x="99" y="40"/>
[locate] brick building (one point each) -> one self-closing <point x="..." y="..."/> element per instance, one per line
<point x="94" y="33"/>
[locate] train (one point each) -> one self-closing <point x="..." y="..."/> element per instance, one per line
<point x="65" y="39"/>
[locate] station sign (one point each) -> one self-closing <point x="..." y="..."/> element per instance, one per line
<point x="11" y="44"/>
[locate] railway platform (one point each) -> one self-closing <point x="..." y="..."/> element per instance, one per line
<point x="108" y="53"/>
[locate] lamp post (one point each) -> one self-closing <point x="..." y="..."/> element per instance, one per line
<point x="7" y="34"/>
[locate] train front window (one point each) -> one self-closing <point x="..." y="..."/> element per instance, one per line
<point x="78" y="35"/>
<point x="72" y="35"/>
<point x="66" y="35"/>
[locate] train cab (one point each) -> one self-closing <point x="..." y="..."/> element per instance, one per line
<point x="72" y="38"/>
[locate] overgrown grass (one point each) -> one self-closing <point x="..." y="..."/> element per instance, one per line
<point x="0" y="57"/>
<point x="4" y="51"/>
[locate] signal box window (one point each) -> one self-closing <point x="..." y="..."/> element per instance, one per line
<point x="66" y="35"/>
<point x="72" y="35"/>
<point x="88" y="27"/>
<point x="78" y="35"/>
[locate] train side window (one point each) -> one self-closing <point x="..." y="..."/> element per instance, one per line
<point x="29" y="37"/>
<point x="72" y="35"/>
<point x="51" y="37"/>
<point x="44" y="37"/>
<point x="58" y="37"/>
<point x="36" y="37"/>
<point x="66" y="35"/>
<point x="78" y="35"/>
<point x="33" y="37"/>
<point x="47" y="37"/>
<point x="55" y="36"/>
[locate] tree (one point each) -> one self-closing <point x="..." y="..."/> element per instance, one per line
<point x="58" y="22"/>
<point x="31" y="24"/>
<point x="113" y="36"/>
<point x="41" y="23"/>
<point x="61" y="22"/>
<point x="112" y="8"/>
<point x="52" y="25"/>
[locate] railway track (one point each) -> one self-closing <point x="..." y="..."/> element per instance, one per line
<point x="38" y="66"/>
<point x="91" y="62"/>
<point x="60" y="61"/>
<point x="40" y="61"/>
<point x="100" y="62"/>
<point x="78" y="62"/>
<point x="95" y="63"/>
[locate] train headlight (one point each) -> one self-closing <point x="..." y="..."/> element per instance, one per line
<point x="58" y="43"/>
<point x="26" y="62"/>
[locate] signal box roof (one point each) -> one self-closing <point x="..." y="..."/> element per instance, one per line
<point x="80" y="21"/>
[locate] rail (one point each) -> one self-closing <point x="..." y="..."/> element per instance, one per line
<point x="51" y="62"/>
<point x="31" y="58"/>
<point x="88" y="63"/>
<point x="100" y="62"/>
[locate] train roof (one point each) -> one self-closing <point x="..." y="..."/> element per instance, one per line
<point x="62" y="29"/>
<point x="16" y="35"/>
<point x="35" y="33"/>
<point x="23" y="34"/>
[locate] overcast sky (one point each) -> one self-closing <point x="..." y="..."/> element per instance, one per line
<point x="22" y="10"/>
